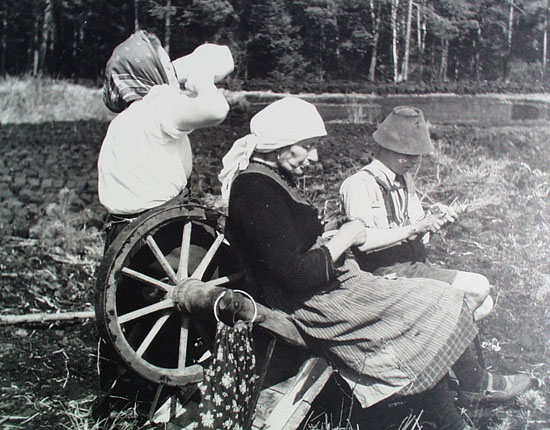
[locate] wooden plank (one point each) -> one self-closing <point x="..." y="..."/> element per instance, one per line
<point x="269" y="397"/>
<point x="292" y="406"/>
<point x="167" y="414"/>
<point x="173" y="415"/>
<point x="280" y="324"/>
<point x="282" y="406"/>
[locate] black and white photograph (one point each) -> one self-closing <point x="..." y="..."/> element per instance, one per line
<point x="274" y="215"/>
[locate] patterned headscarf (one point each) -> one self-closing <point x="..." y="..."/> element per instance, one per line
<point x="133" y="69"/>
<point x="282" y="123"/>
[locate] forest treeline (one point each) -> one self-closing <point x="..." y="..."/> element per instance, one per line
<point x="311" y="41"/>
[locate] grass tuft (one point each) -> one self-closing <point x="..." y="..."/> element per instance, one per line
<point x="79" y="417"/>
<point x="67" y="230"/>
<point x="506" y="424"/>
<point x="532" y="400"/>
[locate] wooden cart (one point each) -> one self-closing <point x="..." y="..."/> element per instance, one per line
<point x="156" y="291"/>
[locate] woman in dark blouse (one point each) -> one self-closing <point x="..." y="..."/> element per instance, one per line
<point x="385" y="337"/>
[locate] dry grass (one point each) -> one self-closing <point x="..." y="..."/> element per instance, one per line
<point x="65" y="228"/>
<point x="31" y="100"/>
<point x="78" y="414"/>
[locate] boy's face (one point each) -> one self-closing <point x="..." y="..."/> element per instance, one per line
<point x="402" y="163"/>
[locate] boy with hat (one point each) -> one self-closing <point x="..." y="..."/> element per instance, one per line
<point x="382" y="194"/>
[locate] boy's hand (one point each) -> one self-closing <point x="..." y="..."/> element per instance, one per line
<point x="431" y="223"/>
<point x="336" y="223"/>
<point x="448" y="213"/>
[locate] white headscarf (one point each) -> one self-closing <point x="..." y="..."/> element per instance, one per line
<point x="282" y="123"/>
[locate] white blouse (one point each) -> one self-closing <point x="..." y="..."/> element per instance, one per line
<point x="144" y="161"/>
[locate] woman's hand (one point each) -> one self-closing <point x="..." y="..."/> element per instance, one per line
<point x="351" y="233"/>
<point x="216" y="58"/>
<point x="355" y="231"/>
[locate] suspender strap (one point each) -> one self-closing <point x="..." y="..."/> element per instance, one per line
<point x="407" y="251"/>
<point x="388" y="202"/>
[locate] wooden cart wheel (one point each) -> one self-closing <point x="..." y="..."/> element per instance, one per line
<point x="141" y="285"/>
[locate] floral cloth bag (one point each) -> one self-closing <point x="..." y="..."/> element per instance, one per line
<point x="227" y="390"/>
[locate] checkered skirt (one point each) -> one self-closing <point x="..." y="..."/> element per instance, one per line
<point x="397" y="335"/>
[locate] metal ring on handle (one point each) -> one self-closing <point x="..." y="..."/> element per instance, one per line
<point x="236" y="291"/>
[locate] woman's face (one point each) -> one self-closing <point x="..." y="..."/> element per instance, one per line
<point x="168" y="67"/>
<point x="293" y="158"/>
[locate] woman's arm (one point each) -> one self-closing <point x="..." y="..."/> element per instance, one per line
<point x="205" y="107"/>
<point x="268" y="234"/>
<point x="352" y="233"/>
<point x="215" y="60"/>
<point x="201" y="104"/>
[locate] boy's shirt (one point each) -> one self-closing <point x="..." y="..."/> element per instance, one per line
<point x="362" y="197"/>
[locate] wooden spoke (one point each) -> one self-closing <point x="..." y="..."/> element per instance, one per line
<point x="203" y="265"/>
<point x="161" y="259"/>
<point x="184" y="333"/>
<point x="224" y="280"/>
<point x="184" y="253"/>
<point x="145" y="288"/>
<point x="147" y="279"/>
<point x="138" y="313"/>
<point x="153" y="332"/>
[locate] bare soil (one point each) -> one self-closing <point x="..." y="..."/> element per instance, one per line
<point x="51" y="242"/>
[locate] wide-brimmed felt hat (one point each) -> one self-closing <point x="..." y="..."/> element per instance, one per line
<point x="404" y="131"/>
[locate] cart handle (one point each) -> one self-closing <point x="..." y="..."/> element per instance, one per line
<point x="236" y="291"/>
